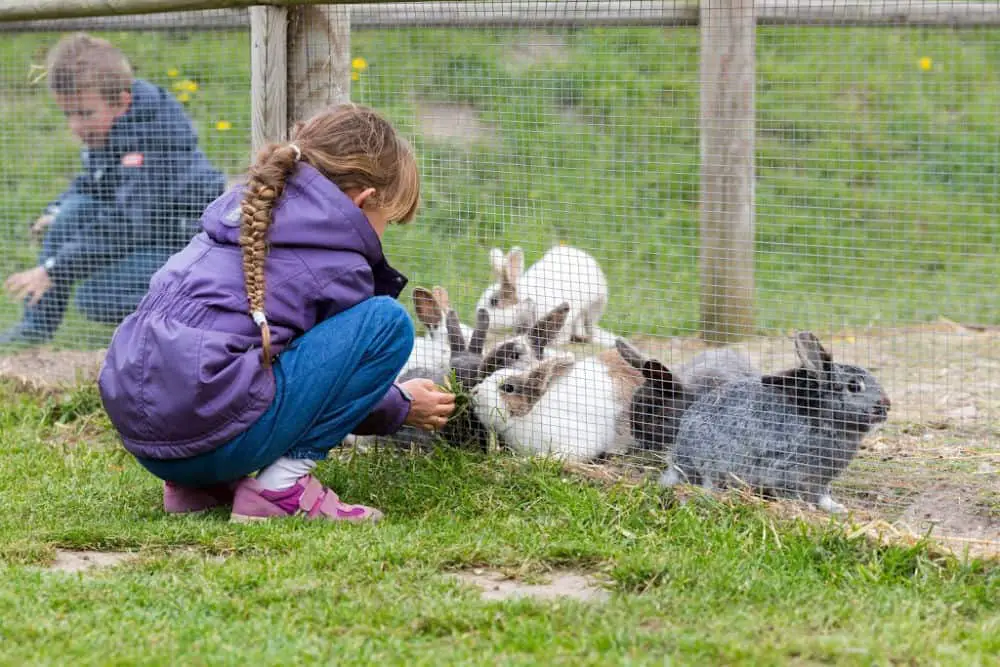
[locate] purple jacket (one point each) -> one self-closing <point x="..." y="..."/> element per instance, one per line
<point x="183" y="374"/>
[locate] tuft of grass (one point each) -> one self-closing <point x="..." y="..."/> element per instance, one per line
<point x="705" y="581"/>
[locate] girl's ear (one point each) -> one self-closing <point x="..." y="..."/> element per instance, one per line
<point x="360" y="198"/>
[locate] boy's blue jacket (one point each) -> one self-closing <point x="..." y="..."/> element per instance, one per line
<point x="150" y="181"/>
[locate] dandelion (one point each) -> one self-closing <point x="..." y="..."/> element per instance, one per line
<point x="926" y="63"/>
<point x="189" y="85"/>
<point x="359" y="64"/>
<point x="173" y="73"/>
<point x="223" y="125"/>
<point x="355" y="76"/>
<point x="184" y="97"/>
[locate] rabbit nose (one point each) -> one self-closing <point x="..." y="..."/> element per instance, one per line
<point x="885" y="403"/>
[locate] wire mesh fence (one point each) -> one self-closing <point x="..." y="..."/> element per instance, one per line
<point x="560" y="158"/>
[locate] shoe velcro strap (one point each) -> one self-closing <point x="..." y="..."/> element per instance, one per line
<point x="312" y="494"/>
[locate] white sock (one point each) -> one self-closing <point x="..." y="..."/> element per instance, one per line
<point x="283" y="473"/>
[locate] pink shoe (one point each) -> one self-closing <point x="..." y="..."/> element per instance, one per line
<point x="308" y="498"/>
<point x="179" y="499"/>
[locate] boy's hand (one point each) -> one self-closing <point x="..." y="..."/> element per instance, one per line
<point x="31" y="284"/>
<point x="38" y="227"/>
<point x="431" y="407"/>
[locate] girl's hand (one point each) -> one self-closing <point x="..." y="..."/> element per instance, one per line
<point x="431" y="407"/>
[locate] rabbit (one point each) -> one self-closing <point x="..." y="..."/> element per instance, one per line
<point x="430" y="352"/>
<point x="658" y="405"/>
<point x="562" y="274"/>
<point x="785" y="435"/>
<point x="559" y="406"/>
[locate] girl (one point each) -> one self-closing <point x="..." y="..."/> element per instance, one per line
<point x="274" y="333"/>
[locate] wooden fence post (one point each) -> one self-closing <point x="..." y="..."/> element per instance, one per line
<point x="319" y="59"/>
<point x="727" y="170"/>
<point x="268" y="75"/>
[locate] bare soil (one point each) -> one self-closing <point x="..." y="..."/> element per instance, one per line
<point x="564" y="584"/>
<point x="68" y="560"/>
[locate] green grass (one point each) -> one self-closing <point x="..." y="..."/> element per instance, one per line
<point x="701" y="583"/>
<point x="877" y="182"/>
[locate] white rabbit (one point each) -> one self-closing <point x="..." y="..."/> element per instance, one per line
<point x="559" y="406"/>
<point x="562" y="274"/>
<point x="431" y="351"/>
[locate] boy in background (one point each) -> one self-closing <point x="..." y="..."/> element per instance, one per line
<point x="137" y="201"/>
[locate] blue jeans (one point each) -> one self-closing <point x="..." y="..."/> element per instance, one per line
<point x="108" y="295"/>
<point x="327" y="381"/>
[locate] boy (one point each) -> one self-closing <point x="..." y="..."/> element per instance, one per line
<point x="143" y="188"/>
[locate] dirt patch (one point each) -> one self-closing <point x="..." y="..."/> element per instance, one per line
<point x="564" y="584"/>
<point x="45" y="368"/>
<point x="536" y="48"/>
<point x="454" y="123"/>
<point x="949" y="513"/>
<point x="68" y="560"/>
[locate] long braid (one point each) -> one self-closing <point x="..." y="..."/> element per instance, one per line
<point x="265" y="185"/>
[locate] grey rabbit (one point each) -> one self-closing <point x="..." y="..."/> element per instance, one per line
<point x="660" y="402"/>
<point x="785" y="435"/>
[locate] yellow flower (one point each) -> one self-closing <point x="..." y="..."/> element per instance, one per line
<point x="359" y="64"/>
<point x="926" y="63"/>
<point x="172" y="72"/>
<point x="355" y="76"/>
<point x="183" y="97"/>
<point x="189" y="85"/>
<point x="223" y="125"/>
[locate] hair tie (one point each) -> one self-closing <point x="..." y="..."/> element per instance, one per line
<point x="298" y="151"/>
<point x="265" y="334"/>
<point x="259" y="318"/>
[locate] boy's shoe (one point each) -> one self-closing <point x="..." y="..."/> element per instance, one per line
<point x="179" y="499"/>
<point x="307" y="498"/>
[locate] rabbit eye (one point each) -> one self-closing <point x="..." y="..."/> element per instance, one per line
<point x="507" y="388"/>
<point x="494" y="301"/>
<point x="855" y="386"/>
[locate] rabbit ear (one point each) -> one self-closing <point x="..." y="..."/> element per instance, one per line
<point x="504" y="355"/>
<point x="496" y="262"/>
<point x="427" y="307"/>
<point x="478" y="340"/>
<point x="441" y="296"/>
<point x="515" y="265"/>
<point x="811" y="353"/>
<point x="456" y="341"/>
<point x="545" y="330"/>
<point x="629" y="353"/>
<point x="660" y="377"/>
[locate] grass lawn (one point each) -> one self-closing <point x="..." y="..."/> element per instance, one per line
<point x="877" y="179"/>
<point x="700" y="583"/>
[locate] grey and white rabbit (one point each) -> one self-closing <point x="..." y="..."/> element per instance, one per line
<point x="431" y="351"/>
<point x="658" y="405"/>
<point x="785" y="435"/>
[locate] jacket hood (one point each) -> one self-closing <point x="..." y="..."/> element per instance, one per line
<point x="154" y="120"/>
<point x="312" y="213"/>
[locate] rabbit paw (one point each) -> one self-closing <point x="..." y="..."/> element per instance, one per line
<point x="828" y="504"/>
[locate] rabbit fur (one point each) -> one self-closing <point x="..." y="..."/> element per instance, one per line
<point x="558" y="406"/>
<point x="562" y="274"/>
<point x="431" y="351"/>
<point x="657" y="406"/>
<point x="784" y="435"/>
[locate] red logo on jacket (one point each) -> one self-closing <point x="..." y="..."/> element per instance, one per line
<point x="132" y="160"/>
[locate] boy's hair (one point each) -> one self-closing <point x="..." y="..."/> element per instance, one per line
<point x="80" y="62"/>
<point x="350" y="144"/>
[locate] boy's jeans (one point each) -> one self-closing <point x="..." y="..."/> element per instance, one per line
<point x="110" y="292"/>
<point x="327" y="382"/>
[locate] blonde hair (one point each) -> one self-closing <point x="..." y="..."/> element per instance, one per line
<point x="351" y="145"/>
<point x="80" y="62"/>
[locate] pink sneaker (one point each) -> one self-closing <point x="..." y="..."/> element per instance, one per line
<point x="308" y="498"/>
<point x="179" y="499"/>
